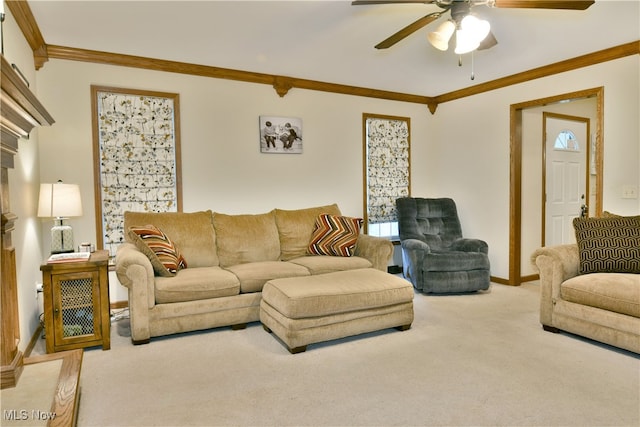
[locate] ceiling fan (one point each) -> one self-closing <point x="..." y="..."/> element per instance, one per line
<point x="482" y="37"/>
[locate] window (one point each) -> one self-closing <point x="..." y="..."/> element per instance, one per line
<point x="386" y="162"/>
<point x="137" y="157"/>
<point x="566" y="141"/>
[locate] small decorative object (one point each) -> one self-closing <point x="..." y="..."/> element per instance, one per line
<point x="86" y="247"/>
<point x="280" y="135"/>
<point x="60" y="201"/>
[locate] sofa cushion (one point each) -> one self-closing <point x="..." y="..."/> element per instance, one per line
<point x="254" y="275"/>
<point x="335" y="235"/>
<point x="246" y="238"/>
<point x="193" y="284"/>
<point x="192" y="232"/>
<point x="158" y="247"/>
<point x="340" y="292"/>
<point x="295" y="228"/>
<point x="328" y="264"/>
<point x="618" y="292"/>
<point x="608" y="245"/>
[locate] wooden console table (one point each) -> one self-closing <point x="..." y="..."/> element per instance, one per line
<point x="76" y="303"/>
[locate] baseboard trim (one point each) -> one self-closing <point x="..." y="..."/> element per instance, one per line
<point x="34" y="340"/>
<point x="500" y="280"/>
<point x="118" y="305"/>
<point x="10" y="374"/>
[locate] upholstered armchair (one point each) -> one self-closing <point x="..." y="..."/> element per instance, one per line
<point x="436" y="258"/>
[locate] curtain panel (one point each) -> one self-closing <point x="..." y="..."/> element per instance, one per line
<point x="387" y="166"/>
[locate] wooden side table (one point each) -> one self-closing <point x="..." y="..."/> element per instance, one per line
<point x="76" y="303"/>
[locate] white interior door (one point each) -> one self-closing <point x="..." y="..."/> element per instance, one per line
<point x="566" y="187"/>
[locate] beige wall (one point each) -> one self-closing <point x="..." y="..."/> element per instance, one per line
<point x="471" y="139"/>
<point x="222" y="167"/>
<point x="24" y="185"/>
<point x="462" y="151"/>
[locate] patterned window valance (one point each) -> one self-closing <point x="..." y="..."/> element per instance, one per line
<point x="387" y="174"/>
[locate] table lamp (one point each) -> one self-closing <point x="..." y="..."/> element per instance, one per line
<point x="60" y="201"/>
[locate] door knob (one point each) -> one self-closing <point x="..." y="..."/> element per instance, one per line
<point x="584" y="209"/>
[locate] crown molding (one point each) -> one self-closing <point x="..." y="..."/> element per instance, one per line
<point x="27" y="23"/>
<point x="610" y="54"/>
<point x="283" y="84"/>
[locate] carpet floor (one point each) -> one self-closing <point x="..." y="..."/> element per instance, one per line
<point x="468" y="360"/>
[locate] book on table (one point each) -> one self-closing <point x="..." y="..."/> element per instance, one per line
<point x="69" y="257"/>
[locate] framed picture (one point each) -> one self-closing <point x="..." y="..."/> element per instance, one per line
<point x="136" y="150"/>
<point x="280" y="135"/>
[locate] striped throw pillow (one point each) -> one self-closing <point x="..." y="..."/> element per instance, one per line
<point x="163" y="254"/>
<point x="608" y="245"/>
<point x="335" y="235"/>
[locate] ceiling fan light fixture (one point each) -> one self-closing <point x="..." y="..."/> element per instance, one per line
<point x="478" y="27"/>
<point x="465" y="42"/>
<point x="471" y="32"/>
<point x="440" y="38"/>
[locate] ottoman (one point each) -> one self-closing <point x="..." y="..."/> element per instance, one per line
<point x="311" y="309"/>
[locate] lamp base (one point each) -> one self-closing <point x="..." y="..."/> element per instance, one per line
<point x="61" y="238"/>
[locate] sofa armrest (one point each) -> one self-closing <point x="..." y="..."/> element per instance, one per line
<point x="376" y="249"/>
<point x="134" y="271"/>
<point x="555" y="265"/>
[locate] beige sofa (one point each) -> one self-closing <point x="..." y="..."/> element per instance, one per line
<point x="229" y="259"/>
<point x="602" y="306"/>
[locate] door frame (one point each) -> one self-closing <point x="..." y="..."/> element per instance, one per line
<point x="515" y="188"/>
<point x="545" y="141"/>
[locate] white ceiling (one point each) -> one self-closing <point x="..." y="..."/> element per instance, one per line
<point x="333" y="41"/>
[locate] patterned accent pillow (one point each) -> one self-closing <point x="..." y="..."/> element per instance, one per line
<point x="608" y="245"/>
<point x="335" y="235"/>
<point x="163" y="254"/>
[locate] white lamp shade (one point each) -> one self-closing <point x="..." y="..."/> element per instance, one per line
<point x="478" y="27"/>
<point x="59" y="200"/>
<point x="440" y="38"/>
<point x="465" y="42"/>
<point x="472" y="31"/>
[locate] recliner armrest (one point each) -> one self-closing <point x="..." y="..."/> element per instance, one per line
<point x="415" y="244"/>
<point x="413" y="254"/>
<point x="470" y="245"/>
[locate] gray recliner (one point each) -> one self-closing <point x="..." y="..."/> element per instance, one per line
<point x="436" y="258"/>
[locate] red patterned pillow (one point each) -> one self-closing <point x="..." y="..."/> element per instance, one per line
<point x="163" y="254"/>
<point x="335" y="235"/>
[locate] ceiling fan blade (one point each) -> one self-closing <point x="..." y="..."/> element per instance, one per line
<point x="488" y="42"/>
<point x="408" y="30"/>
<point x="365" y="2"/>
<point x="544" y="4"/>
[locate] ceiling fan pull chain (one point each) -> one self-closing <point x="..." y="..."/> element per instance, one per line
<point x="460" y="61"/>
<point x="473" y="76"/>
